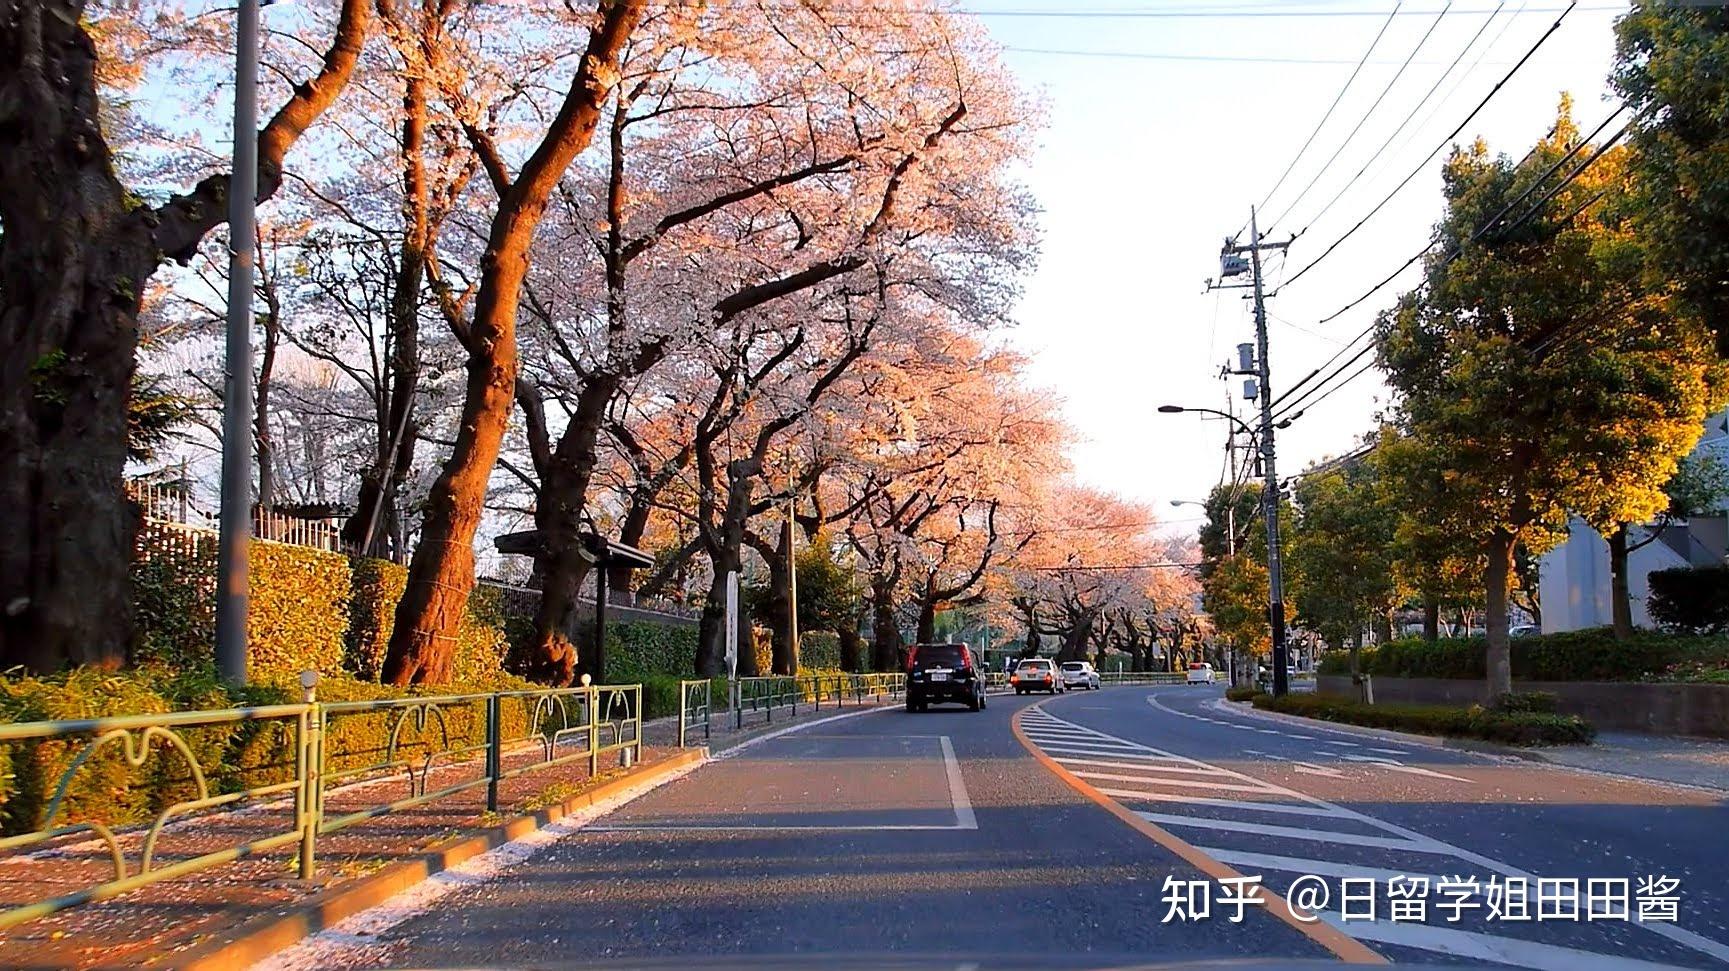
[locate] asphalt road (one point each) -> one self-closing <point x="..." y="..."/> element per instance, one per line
<point x="943" y="835"/>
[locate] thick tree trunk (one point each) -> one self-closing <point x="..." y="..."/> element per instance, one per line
<point x="441" y="573"/>
<point x="1620" y="599"/>
<point x="851" y="645"/>
<point x="76" y="253"/>
<point x="1383" y="627"/>
<point x="1498" y="579"/>
<point x="927" y="630"/>
<point x="630" y="533"/>
<point x="1431" y="620"/>
<point x="885" y="632"/>
<point x="72" y="267"/>
<point x="558" y="515"/>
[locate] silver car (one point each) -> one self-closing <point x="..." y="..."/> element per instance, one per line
<point x="1080" y="674"/>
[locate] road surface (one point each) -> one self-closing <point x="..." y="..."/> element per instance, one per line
<point x="1079" y="831"/>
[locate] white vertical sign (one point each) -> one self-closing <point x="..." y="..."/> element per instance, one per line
<point x="732" y="624"/>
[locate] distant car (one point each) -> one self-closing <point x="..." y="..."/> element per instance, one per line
<point x="1524" y="630"/>
<point x="1080" y="674"/>
<point x="943" y="672"/>
<point x="1036" y="674"/>
<point x="1200" y="673"/>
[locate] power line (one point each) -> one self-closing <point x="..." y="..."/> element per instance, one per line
<point x="1330" y="108"/>
<point x="1436" y="150"/>
<point x="1441" y="78"/>
<point x="1387" y="89"/>
<point x="1484" y="228"/>
<point x="1201" y="58"/>
<point x="1458" y="249"/>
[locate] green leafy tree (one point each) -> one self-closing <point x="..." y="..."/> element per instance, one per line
<point x="1442" y="567"/>
<point x="1672" y="69"/>
<point x="1343" y="555"/>
<point x="1538" y="368"/>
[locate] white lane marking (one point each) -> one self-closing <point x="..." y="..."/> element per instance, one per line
<point x="1685" y="938"/>
<point x="1106" y="763"/>
<point x="1328" y="741"/>
<point x="1486" y="947"/>
<point x="1242" y="804"/>
<point x="1320" y="868"/>
<point x="1309" y="768"/>
<point x="1136" y="756"/>
<point x="964" y="817"/>
<point x="1306" y="738"/>
<point x="1390" y="751"/>
<point x="1186" y="783"/>
<point x="1382" y="762"/>
<point x="1269" y="731"/>
<point x="1294" y="833"/>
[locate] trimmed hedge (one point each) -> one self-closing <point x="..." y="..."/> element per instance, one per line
<point x="1244" y="693"/>
<point x="639" y="649"/>
<point x="1511" y="727"/>
<point x="818" y="650"/>
<point x="1693" y="600"/>
<point x="298" y="610"/>
<point x="233" y="756"/>
<point x="1584" y="655"/>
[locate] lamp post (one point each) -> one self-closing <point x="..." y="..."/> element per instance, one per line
<point x="1230" y="522"/>
<point x="235" y="532"/>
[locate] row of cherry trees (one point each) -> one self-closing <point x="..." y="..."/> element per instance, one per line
<point x="671" y="272"/>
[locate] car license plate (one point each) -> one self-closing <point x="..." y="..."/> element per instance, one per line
<point x="937" y="675"/>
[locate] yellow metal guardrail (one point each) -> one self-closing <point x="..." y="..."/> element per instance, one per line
<point x="766" y="695"/>
<point x="562" y="725"/>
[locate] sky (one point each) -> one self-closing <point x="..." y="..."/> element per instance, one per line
<point x="1147" y="163"/>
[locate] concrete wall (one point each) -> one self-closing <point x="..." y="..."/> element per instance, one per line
<point x="1665" y="709"/>
<point x="1573" y="579"/>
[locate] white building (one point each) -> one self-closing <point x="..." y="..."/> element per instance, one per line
<point x="1573" y="578"/>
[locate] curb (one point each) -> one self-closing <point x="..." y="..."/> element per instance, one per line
<point x="259" y="938"/>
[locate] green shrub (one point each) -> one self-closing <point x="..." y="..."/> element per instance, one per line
<point x="297" y="616"/>
<point x="639" y="649"/>
<point x="173" y="583"/>
<point x="1692" y="600"/>
<point x="1511" y="727"/>
<point x="1543" y="702"/>
<point x="818" y="650"/>
<point x="377" y="586"/>
<point x="105" y="788"/>
<point x="1583" y="655"/>
<point x="1241" y="694"/>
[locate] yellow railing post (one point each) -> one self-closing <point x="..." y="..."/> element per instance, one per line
<point x="311" y="778"/>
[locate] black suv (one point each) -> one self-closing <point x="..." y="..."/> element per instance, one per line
<point x="943" y="672"/>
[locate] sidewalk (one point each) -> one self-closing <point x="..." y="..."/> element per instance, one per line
<point x="1699" y="762"/>
<point x="154" y="925"/>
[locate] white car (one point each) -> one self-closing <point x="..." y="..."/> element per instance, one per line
<point x="1036" y="674"/>
<point x="1080" y="674"/>
<point x="1200" y="673"/>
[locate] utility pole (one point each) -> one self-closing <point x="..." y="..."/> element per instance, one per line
<point x="235" y="528"/>
<point x="1270" y="478"/>
<point x="791" y="571"/>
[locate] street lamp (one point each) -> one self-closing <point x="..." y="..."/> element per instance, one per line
<point x="1230" y="522"/>
<point x="1245" y="429"/>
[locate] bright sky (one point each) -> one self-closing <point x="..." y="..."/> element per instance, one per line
<point x="1148" y="163"/>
